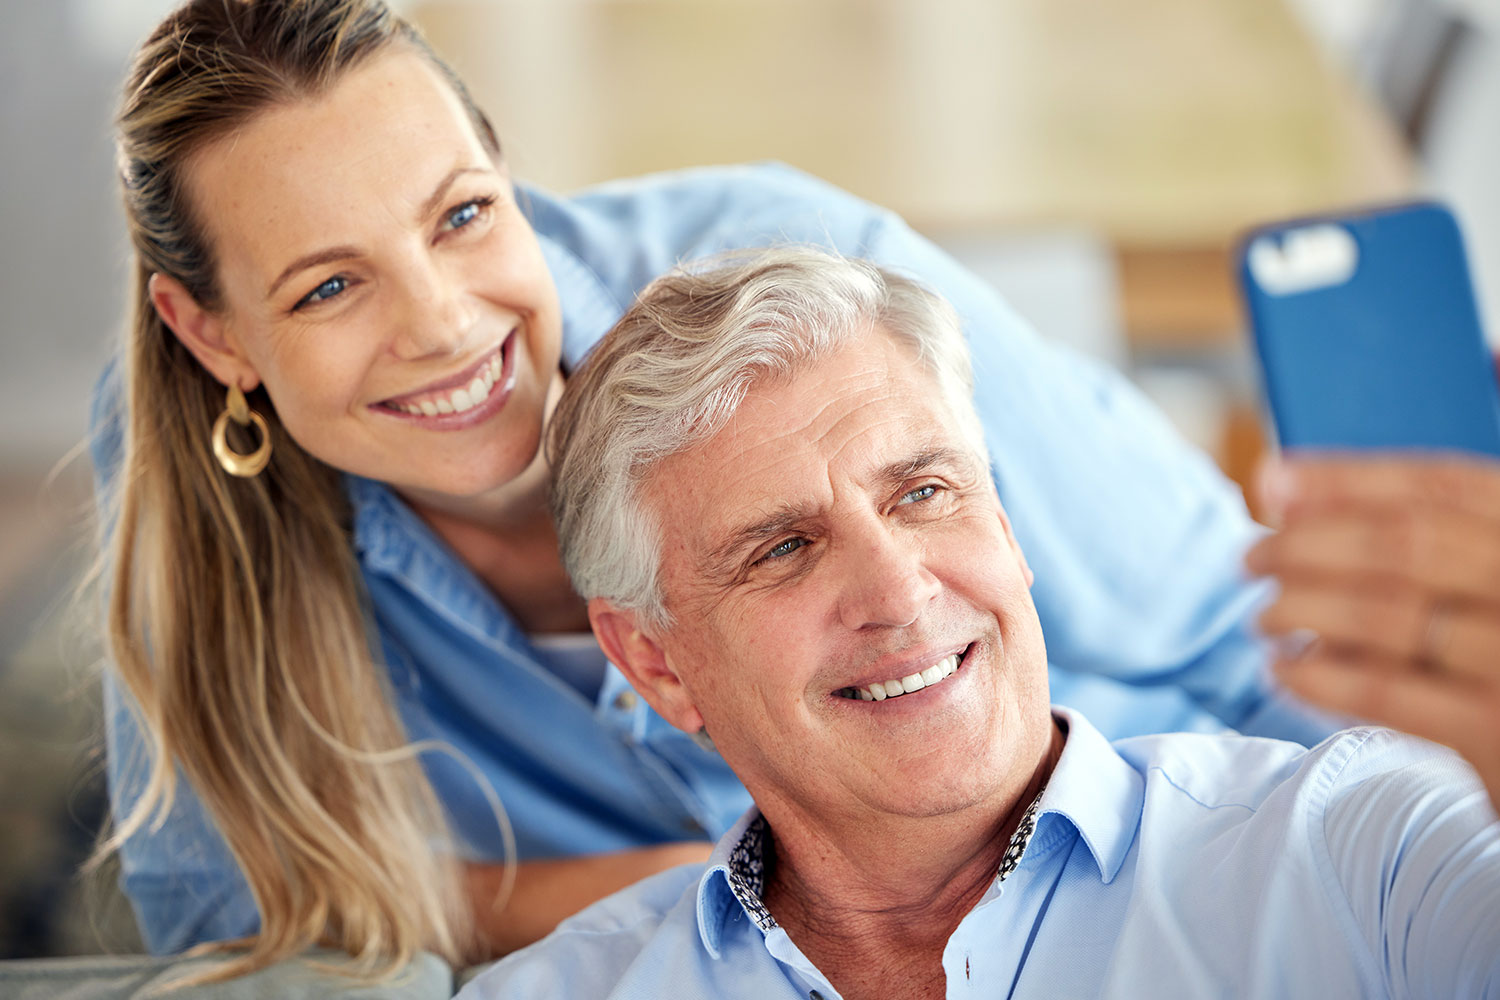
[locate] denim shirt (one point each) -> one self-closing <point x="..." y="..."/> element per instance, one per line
<point x="1184" y="865"/>
<point x="1135" y="539"/>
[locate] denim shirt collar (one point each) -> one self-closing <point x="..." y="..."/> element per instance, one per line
<point x="390" y="540"/>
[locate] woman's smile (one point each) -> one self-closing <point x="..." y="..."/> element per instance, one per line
<point x="470" y="396"/>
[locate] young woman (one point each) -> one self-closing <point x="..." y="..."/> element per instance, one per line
<point x="335" y="602"/>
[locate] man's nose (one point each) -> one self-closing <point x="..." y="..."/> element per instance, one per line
<point x="887" y="581"/>
<point x="439" y="315"/>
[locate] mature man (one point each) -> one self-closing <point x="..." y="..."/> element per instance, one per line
<point x="772" y="488"/>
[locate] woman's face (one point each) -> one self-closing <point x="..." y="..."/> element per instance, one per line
<point x="380" y="281"/>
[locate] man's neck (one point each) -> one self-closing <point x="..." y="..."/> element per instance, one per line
<point x="874" y="912"/>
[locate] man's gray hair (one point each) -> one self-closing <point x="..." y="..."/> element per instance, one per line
<point x="675" y="368"/>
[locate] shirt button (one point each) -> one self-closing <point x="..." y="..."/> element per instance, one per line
<point x="625" y="700"/>
<point x="815" y="995"/>
<point x="690" y="825"/>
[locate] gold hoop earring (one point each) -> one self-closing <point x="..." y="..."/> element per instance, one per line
<point x="236" y="409"/>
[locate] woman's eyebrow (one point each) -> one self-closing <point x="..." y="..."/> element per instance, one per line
<point x="314" y="259"/>
<point x="346" y="252"/>
<point x="441" y="191"/>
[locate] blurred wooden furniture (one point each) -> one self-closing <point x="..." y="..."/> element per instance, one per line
<point x="1166" y="125"/>
<point x="1157" y="121"/>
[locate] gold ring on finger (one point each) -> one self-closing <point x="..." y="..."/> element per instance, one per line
<point x="1435" y="635"/>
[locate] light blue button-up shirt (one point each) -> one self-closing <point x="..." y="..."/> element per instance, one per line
<point x="1186" y="865"/>
<point x="1135" y="539"/>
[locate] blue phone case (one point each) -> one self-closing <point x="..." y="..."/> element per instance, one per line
<point x="1368" y="333"/>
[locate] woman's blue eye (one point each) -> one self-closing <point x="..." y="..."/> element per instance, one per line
<point x="327" y="290"/>
<point x="466" y="213"/>
<point x="462" y="215"/>
<point x="920" y="493"/>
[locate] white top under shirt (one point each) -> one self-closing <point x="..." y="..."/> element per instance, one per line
<point x="575" y="657"/>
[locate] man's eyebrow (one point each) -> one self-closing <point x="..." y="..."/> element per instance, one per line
<point x="779" y="521"/>
<point x="346" y="252"/>
<point x="786" y="517"/>
<point x="923" y="461"/>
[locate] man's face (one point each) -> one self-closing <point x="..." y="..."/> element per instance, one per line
<point x="841" y="534"/>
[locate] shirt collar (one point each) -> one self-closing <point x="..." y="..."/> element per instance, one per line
<point x="1097" y="791"/>
<point x="393" y="543"/>
<point x="381" y="520"/>
<point x="735" y="880"/>
<point x="388" y="534"/>
<point x="717" y="903"/>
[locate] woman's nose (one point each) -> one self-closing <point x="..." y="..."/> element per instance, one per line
<point x="439" y="316"/>
<point x="886" y="580"/>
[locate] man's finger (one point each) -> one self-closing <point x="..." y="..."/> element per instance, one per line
<point x="1451" y="553"/>
<point x="1306" y="480"/>
<point x="1463" y="640"/>
<point x="1383" y="621"/>
<point x="1459" y="640"/>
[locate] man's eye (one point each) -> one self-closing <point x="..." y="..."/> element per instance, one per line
<point x="327" y="290"/>
<point x="466" y="213"/>
<point x="919" y="494"/>
<point x="781" y="549"/>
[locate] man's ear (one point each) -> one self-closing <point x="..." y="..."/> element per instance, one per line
<point x="640" y="657"/>
<point x="1015" y="547"/>
<point x="201" y="332"/>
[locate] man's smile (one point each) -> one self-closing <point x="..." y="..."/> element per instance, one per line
<point x="910" y="683"/>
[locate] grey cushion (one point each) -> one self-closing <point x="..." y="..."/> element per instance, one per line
<point x="130" y="976"/>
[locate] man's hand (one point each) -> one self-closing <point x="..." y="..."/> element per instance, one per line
<point x="1394" y="563"/>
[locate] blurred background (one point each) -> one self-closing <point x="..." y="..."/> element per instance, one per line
<point x="1094" y="159"/>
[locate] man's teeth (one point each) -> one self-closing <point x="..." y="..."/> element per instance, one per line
<point x="938" y="672"/>
<point x="456" y="400"/>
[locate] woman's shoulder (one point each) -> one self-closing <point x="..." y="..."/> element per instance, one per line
<point x="631" y="230"/>
<point x="733" y="190"/>
<point x="106" y="433"/>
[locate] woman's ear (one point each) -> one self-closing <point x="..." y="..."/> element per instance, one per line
<point x="640" y="657"/>
<point x="201" y="332"/>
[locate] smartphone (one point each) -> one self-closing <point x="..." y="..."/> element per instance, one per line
<point x="1368" y="333"/>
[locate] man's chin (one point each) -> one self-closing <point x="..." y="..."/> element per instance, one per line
<point x="954" y="767"/>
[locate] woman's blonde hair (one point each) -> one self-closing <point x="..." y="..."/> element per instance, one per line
<point x="236" y="616"/>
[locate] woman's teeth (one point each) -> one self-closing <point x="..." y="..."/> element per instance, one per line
<point x="935" y="674"/>
<point x="455" y="400"/>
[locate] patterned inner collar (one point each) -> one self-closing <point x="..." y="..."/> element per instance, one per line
<point x="747" y="862"/>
